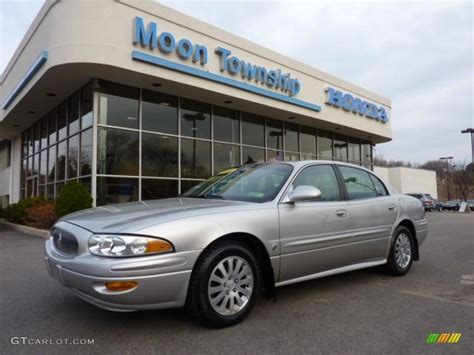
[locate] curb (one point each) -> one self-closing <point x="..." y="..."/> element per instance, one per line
<point x="40" y="233"/>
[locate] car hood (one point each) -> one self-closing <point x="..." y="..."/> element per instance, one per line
<point x="133" y="216"/>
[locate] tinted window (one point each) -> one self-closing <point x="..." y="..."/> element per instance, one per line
<point x="195" y="158"/>
<point x="73" y="156"/>
<point x="116" y="190"/>
<point x="274" y="134"/>
<point x="308" y="140"/>
<point x="358" y="183"/>
<point x="226" y="125"/>
<point x="252" y="155"/>
<point x="226" y="156"/>
<point x="86" y="106"/>
<point x="379" y="186"/>
<point x="118" y="105"/>
<point x="159" y="112"/>
<point x="291" y="137"/>
<point x="52" y="127"/>
<point x="253" y="130"/>
<point x="354" y="150"/>
<point x="322" y="177"/>
<point x="324" y="145"/>
<point x="340" y="147"/>
<point x="195" y="119"/>
<point x="61" y="162"/>
<point x="155" y="189"/>
<point x="73" y="113"/>
<point x="44" y="132"/>
<point x="274" y="155"/>
<point x="62" y="121"/>
<point x="117" y="152"/>
<point x="86" y="153"/>
<point x="159" y="155"/>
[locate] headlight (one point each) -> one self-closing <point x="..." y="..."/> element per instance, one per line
<point x="127" y="245"/>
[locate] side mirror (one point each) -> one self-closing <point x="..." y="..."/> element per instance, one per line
<point x="304" y="193"/>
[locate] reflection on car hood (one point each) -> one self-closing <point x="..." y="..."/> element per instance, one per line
<point x="134" y="216"/>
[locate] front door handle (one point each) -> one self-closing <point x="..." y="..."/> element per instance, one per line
<point x="392" y="208"/>
<point x="341" y="213"/>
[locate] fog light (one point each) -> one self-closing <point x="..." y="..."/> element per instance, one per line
<point x="120" y="285"/>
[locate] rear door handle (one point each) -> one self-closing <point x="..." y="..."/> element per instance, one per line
<point x="341" y="213"/>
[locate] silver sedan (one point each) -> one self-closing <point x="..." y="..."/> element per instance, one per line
<point x="260" y="227"/>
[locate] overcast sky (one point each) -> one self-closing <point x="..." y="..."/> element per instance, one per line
<point x="418" y="54"/>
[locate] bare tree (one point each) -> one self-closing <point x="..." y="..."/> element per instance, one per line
<point x="463" y="179"/>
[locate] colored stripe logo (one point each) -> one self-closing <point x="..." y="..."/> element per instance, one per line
<point x="452" y="338"/>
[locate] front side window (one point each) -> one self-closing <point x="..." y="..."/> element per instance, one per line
<point x="322" y="177"/>
<point x="252" y="183"/>
<point x="358" y="183"/>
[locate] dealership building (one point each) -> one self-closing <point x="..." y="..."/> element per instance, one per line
<point x="138" y="101"/>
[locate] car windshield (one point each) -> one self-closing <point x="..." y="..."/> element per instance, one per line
<point x="199" y="189"/>
<point x="251" y="183"/>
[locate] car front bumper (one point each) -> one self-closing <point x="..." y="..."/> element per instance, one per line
<point x="162" y="280"/>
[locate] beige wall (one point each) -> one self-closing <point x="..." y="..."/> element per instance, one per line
<point x="408" y="180"/>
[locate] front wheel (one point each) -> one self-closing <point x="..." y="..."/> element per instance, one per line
<point x="224" y="285"/>
<point x="401" y="254"/>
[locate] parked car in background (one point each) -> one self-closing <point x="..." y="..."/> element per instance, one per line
<point x="260" y="227"/>
<point x="428" y="202"/>
<point x="470" y="203"/>
<point x="452" y="205"/>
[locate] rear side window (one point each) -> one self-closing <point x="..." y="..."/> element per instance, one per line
<point x="358" y="183"/>
<point x="379" y="186"/>
<point x="322" y="177"/>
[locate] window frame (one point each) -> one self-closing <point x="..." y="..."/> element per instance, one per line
<point x="346" y="193"/>
<point x="342" y="192"/>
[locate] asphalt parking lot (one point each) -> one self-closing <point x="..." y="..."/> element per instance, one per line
<point x="358" y="312"/>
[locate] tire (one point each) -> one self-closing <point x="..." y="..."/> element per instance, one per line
<point x="241" y="290"/>
<point x="399" y="265"/>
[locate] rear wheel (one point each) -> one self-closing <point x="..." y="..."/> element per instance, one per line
<point x="224" y="285"/>
<point x="401" y="254"/>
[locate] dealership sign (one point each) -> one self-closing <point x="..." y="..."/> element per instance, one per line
<point x="351" y="103"/>
<point x="166" y="43"/>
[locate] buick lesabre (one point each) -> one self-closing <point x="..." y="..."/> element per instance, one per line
<point x="260" y="227"/>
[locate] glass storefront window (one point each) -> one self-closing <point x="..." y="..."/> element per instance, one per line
<point x="61" y="162"/>
<point x="86" y="106"/>
<point x="195" y="119"/>
<point x="340" y="147"/>
<point x="291" y="137"/>
<point x="73" y="113"/>
<point x="274" y="134"/>
<point x="30" y="141"/>
<point x="354" y="150"/>
<point x="43" y="166"/>
<point x="44" y="132"/>
<point x="226" y="125"/>
<point x="325" y="145"/>
<point x="308" y="140"/>
<point x="52" y="129"/>
<point x="274" y="155"/>
<point x="37" y="134"/>
<point x="62" y="121"/>
<point x="292" y="156"/>
<point x="366" y="154"/>
<point x="117" y="152"/>
<point x="116" y="190"/>
<point x="118" y="105"/>
<point x="85" y="157"/>
<point x="253" y="130"/>
<point x="159" y="112"/>
<point x="226" y="156"/>
<point x="187" y="184"/>
<point x="73" y="156"/>
<point x="52" y="164"/>
<point x="195" y="158"/>
<point x="159" y="188"/>
<point x="50" y="191"/>
<point x="87" y="182"/>
<point x="24" y="141"/>
<point x="252" y="155"/>
<point x="159" y="155"/>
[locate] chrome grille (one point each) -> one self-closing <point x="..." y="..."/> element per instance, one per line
<point x="64" y="242"/>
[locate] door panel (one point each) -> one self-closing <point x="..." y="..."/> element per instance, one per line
<point x="314" y="234"/>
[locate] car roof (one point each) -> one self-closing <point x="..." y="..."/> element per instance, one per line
<point x="302" y="163"/>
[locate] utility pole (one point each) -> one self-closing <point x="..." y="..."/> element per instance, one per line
<point x="447" y="174"/>
<point x="470" y="130"/>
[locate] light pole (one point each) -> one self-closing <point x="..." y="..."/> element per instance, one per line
<point x="470" y="130"/>
<point x="447" y="174"/>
